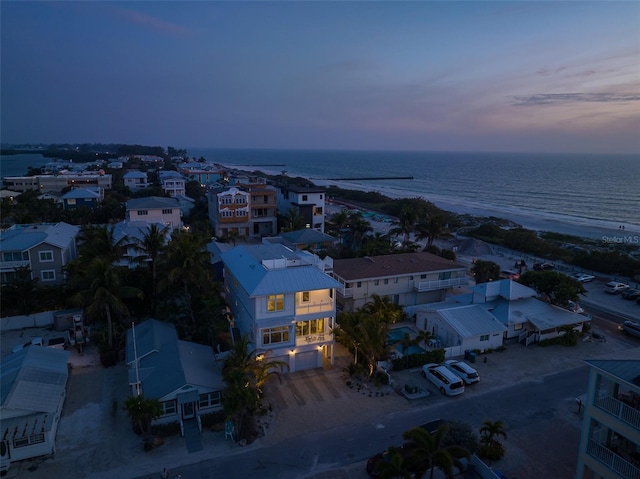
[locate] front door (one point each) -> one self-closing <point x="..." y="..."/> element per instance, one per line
<point x="188" y="410"/>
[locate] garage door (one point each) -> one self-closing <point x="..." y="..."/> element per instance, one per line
<point x="308" y="360"/>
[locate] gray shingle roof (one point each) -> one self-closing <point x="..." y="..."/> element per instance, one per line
<point x="392" y="265"/>
<point x="152" y="202"/>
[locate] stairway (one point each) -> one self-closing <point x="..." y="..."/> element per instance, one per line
<point x="192" y="438"/>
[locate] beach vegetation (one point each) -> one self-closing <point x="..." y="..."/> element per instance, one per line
<point x="555" y="288"/>
<point x="429" y="452"/>
<point x="485" y="271"/>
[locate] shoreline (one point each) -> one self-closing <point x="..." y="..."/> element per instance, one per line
<point x="588" y="228"/>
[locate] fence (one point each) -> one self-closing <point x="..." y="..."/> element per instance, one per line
<point x="36" y="320"/>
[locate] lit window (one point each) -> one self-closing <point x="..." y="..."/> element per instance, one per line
<point x="306" y="328"/>
<point x="275" y="302"/>
<point x="306" y="296"/>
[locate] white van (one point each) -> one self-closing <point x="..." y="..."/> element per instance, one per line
<point x="463" y="371"/>
<point x="447" y="382"/>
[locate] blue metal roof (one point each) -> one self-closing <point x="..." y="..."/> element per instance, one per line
<point x="245" y="263"/>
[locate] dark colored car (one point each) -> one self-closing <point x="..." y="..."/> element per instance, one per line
<point x="542" y="266"/>
<point x="631" y="294"/>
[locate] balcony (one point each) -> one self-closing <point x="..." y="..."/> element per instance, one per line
<point x="422" y="286"/>
<point x="12" y="265"/>
<point x="345" y="292"/>
<point x="320" y="307"/>
<point x="619" y="409"/>
<point x="613" y="461"/>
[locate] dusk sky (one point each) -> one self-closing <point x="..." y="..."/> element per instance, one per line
<point x="491" y="76"/>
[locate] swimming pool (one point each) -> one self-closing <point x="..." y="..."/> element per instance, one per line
<point x="398" y="334"/>
<point x="413" y="349"/>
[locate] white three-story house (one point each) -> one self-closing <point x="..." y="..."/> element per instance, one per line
<point x="283" y="301"/>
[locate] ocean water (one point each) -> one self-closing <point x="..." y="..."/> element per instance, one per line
<point x="586" y="195"/>
<point x="576" y="194"/>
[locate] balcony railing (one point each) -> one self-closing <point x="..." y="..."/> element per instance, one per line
<point x="345" y="292"/>
<point x="421" y="286"/>
<point x="11" y="265"/>
<point x="319" y="307"/>
<point x="619" y="409"/>
<point x="612" y="460"/>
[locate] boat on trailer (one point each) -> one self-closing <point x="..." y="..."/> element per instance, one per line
<point x="630" y="327"/>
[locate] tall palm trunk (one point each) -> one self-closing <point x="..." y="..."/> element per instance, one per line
<point x="109" y="326"/>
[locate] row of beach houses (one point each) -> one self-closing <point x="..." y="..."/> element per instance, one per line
<point x="279" y="294"/>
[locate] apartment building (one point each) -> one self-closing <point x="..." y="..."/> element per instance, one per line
<point x="407" y="279"/>
<point x="610" y="439"/>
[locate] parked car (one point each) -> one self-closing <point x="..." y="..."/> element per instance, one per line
<point x="446" y="382"/>
<point x="463" y="370"/>
<point x="631" y="294"/>
<point x="583" y="277"/>
<point x="542" y="266"/>
<point x="614" y="287"/>
<point x="509" y="274"/>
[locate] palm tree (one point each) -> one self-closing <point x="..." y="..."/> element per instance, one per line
<point x="429" y="453"/>
<point x="485" y="271"/>
<point x="100" y="242"/>
<point x="187" y="262"/>
<point x="337" y="223"/>
<point x="293" y="220"/>
<point x="393" y="465"/>
<point x="382" y="308"/>
<point x="142" y="412"/>
<point x="152" y="244"/>
<point x="104" y="295"/>
<point x="491" y="447"/>
<point x="372" y="334"/>
<point x="358" y="228"/>
<point x="246" y="371"/>
<point x="405" y="225"/>
<point x="431" y="228"/>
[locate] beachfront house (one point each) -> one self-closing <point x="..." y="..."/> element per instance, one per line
<point x="458" y="328"/>
<point x="407" y="279"/>
<point x="203" y="173"/>
<point x="135" y="180"/>
<point x="45" y="249"/>
<point x="309" y="202"/>
<point x="309" y="239"/>
<point x="34" y="382"/>
<point x="283" y="301"/>
<point x="155" y="209"/>
<point x="182" y="375"/>
<point x="610" y="439"/>
<point x="247" y="210"/>
<point x="527" y="318"/>
<point x="172" y="183"/>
